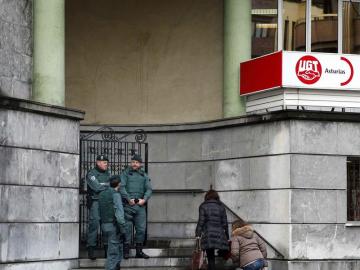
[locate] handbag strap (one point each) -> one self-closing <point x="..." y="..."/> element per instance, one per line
<point x="198" y="244"/>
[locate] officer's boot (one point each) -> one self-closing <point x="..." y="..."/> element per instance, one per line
<point x="139" y="252"/>
<point x="126" y="254"/>
<point x="105" y="250"/>
<point x="91" y="253"/>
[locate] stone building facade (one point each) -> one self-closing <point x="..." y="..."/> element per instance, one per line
<point x="285" y="172"/>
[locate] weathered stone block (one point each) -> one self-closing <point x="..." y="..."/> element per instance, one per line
<point x="262" y="139"/>
<point x="259" y="205"/>
<point x="34" y="204"/>
<point x="216" y="144"/>
<point x="232" y="174"/>
<point x="174" y="207"/>
<point x="68" y="240"/>
<point x="278" y="265"/>
<point x="171" y="230"/>
<point x="157" y="147"/>
<point x="184" y="175"/>
<point x="324" y="241"/>
<point x="314" y="137"/>
<point x="278" y="235"/>
<point x="270" y="172"/>
<point x="46" y="265"/>
<point x="318" y="206"/>
<point x="167" y="175"/>
<point x="348" y="138"/>
<point x="310" y="171"/>
<point x="199" y="175"/>
<point x="31" y="242"/>
<point x="185" y="146"/>
<point x="41" y="168"/>
<point x="32" y="130"/>
<point x="16" y="38"/>
<point x="16" y="12"/>
<point x="324" y="265"/>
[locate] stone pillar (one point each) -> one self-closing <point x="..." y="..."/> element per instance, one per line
<point x="39" y="182"/>
<point x="237" y="48"/>
<point x="49" y="52"/>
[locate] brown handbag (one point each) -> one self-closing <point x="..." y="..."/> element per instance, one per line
<point x="199" y="260"/>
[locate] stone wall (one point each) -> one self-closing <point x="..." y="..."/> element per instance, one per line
<point x="155" y="61"/>
<point x="16" y="48"/>
<point x="39" y="206"/>
<point x="283" y="172"/>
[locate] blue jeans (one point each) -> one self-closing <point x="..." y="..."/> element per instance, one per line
<point x="256" y="265"/>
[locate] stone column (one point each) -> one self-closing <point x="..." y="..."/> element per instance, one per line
<point x="237" y="48"/>
<point x="49" y="52"/>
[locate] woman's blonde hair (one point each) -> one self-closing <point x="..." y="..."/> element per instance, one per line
<point x="238" y="224"/>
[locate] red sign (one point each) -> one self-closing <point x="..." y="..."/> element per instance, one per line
<point x="300" y="70"/>
<point x="308" y="69"/>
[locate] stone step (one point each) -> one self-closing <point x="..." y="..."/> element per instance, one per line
<point x="138" y="263"/>
<point x="138" y="268"/>
<point x="152" y="263"/>
<point x="152" y="252"/>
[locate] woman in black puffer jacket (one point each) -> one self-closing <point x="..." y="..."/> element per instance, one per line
<point x="212" y="226"/>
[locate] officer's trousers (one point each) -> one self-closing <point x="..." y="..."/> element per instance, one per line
<point x="93" y="225"/>
<point x="136" y="215"/>
<point x="114" y="250"/>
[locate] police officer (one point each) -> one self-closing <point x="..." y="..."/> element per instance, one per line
<point x="112" y="222"/>
<point x="135" y="191"/>
<point x="97" y="180"/>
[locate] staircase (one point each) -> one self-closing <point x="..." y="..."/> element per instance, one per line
<point x="165" y="254"/>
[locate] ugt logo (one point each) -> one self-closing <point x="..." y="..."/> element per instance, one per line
<point x="308" y="69"/>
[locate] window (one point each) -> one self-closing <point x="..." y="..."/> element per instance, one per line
<point x="324" y="15"/>
<point x="351" y="27"/>
<point x="353" y="189"/>
<point x="294" y="15"/>
<point x="305" y="25"/>
<point x="264" y="27"/>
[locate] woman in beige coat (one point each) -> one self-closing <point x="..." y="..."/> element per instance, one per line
<point x="247" y="248"/>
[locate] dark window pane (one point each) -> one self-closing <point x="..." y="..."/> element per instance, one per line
<point x="324" y="15"/>
<point x="294" y="25"/>
<point x="353" y="189"/>
<point x="264" y="27"/>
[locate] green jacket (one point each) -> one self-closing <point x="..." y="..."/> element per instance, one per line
<point x="135" y="184"/>
<point x="97" y="181"/>
<point x="111" y="208"/>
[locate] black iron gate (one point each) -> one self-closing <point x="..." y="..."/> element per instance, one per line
<point x="118" y="148"/>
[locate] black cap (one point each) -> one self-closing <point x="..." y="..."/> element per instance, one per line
<point x="136" y="157"/>
<point x="102" y="158"/>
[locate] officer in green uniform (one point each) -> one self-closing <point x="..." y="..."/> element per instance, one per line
<point x="135" y="191"/>
<point x="97" y="180"/>
<point x="112" y="222"/>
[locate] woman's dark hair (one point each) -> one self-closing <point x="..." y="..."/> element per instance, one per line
<point x="212" y="195"/>
<point x="238" y="224"/>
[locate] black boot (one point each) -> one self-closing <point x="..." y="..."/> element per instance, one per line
<point x="91" y="253"/>
<point x="105" y="250"/>
<point x="139" y="252"/>
<point x="117" y="267"/>
<point x="126" y="254"/>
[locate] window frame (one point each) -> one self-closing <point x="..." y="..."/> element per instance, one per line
<point x="280" y="42"/>
<point x="349" y="174"/>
